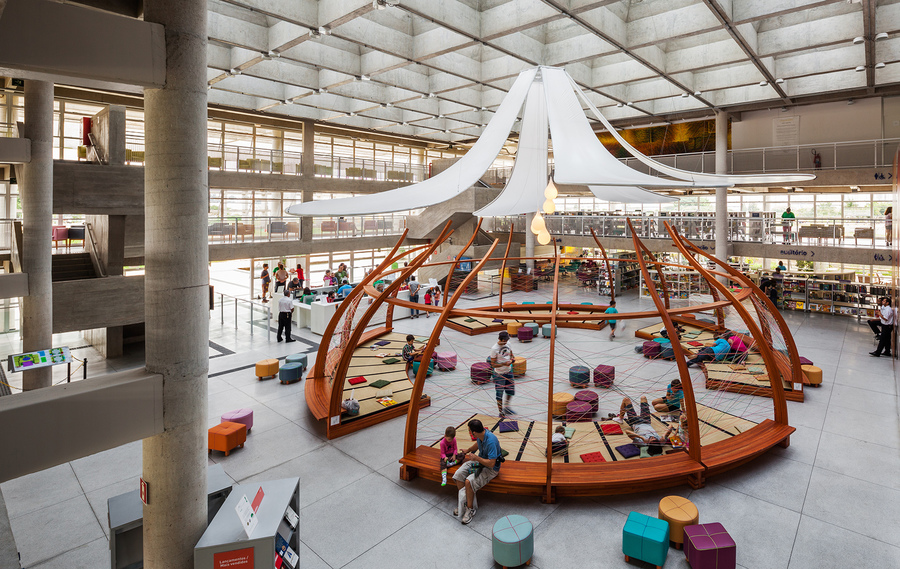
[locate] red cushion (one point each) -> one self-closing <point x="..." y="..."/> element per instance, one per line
<point x="611" y="429"/>
<point x="356" y="380"/>
<point x="695" y="343"/>
<point x="593" y="457"/>
<point x="571" y="312"/>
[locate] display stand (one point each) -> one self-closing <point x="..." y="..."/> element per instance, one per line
<point x="225" y="543"/>
<point x="125" y="515"/>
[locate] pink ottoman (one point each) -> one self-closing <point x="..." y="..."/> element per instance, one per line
<point x="481" y="373"/>
<point x="525" y="334"/>
<point x="578" y="412"/>
<point x="242" y="416"/>
<point x="708" y="546"/>
<point x="590" y="398"/>
<point x="445" y="361"/>
<point x="604" y="376"/>
<point x="651" y="349"/>
<point x="805" y="361"/>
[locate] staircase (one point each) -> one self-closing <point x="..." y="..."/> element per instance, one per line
<point x="72" y="267"/>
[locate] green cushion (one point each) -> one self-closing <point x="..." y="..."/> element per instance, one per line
<point x="570" y="431"/>
<point x="380" y="383"/>
<point x="470" y="320"/>
<point x="389" y="360"/>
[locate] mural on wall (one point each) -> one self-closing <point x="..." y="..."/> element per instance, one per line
<point x="680" y="138"/>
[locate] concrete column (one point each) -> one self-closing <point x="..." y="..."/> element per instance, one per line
<point x="308" y="170"/>
<point x="177" y="286"/>
<point x="722" y="193"/>
<point x="530" y="239"/>
<point x="36" y="191"/>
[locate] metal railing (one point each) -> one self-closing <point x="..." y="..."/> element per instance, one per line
<point x="330" y="166"/>
<point x="241" y="229"/>
<point x="236" y="302"/>
<point x="358" y="226"/>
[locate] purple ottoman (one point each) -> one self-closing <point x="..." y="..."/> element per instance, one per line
<point x="525" y="334"/>
<point x="242" y="416"/>
<point x="590" y="398"/>
<point x="604" y="376"/>
<point x="805" y="361"/>
<point x="445" y="361"/>
<point x="651" y="349"/>
<point x="578" y="412"/>
<point x="708" y="546"/>
<point x="480" y="373"/>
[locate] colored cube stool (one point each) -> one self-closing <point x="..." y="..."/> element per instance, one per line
<point x="590" y="398"/>
<point x="446" y="361"/>
<point x="480" y="373"/>
<point x="646" y="539"/>
<point x="290" y="373"/>
<point x="513" y="328"/>
<point x="428" y="372"/>
<point x="546" y="330"/>
<point x="242" y="416"/>
<point x="266" y="368"/>
<point x="535" y="329"/>
<point x="680" y="513"/>
<point x="578" y="412"/>
<point x="525" y="334"/>
<point x="708" y="546"/>
<point x="651" y="349"/>
<point x="519" y="367"/>
<point x="813" y="374"/>
<point x="225" y="437"/>
<point x="297" y="359"/>
<point x="513" y="541"/>
<point x="560" y="400"/>
<point x="604" y="376"/>
<point x="579" y="376"/>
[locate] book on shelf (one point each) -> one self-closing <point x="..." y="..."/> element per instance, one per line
<point x="291" y="516"/>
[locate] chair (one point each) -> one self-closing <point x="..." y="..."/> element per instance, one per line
<point x="329" y="227"/>
<point x="278" y="228"/>
<point x="76" y="233"/>
<point x="680" y="513"/>
<point x="60" y="233"/>
<point x="709" y="546"/>
<point x="370" y="225"/>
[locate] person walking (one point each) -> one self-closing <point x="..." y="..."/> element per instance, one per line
<point x="413" y="295"/>
<point x="285" y="310"/>
<point x="787" y="224"/>
<point x="266" y="279"/>
<point x="889" y="225"/>
<point x="886" y="315"/>
<point x="502" y="360"/>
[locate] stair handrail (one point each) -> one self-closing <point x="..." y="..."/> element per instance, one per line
<point x="95" y="255"/>
<point x="15" y="249"/>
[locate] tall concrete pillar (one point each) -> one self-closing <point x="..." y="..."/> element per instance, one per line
<point x="36" y="191"/>
<point x="308" y="170"/>
<point x="722" y="193"/>
<point x="177" y="286"/>
<point x="530" y="239"/>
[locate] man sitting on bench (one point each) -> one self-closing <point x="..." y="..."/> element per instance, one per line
<point x="479" y="469"/>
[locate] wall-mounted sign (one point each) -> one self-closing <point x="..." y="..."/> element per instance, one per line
<point x="145" y="492"/>
<point x="41" y="358"/>
<point x="786" y="131"/>
<point x="797" y="253"/>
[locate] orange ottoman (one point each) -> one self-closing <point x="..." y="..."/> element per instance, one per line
<point x="227" y="436"/>
<point x="560" y="400"/>
<point x="813" y="375"/>
<point x="513" y="328"/>
<point x="679" y="512"/>
<point x="267" y="368"/>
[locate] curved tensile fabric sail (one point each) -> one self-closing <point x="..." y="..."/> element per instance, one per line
<point x="449" y="183"/>
<point x="629" y="194"/>
<point x="710" y="180"/>
<point x="524" y="192"/>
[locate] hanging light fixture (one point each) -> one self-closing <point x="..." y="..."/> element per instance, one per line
<point x="543" y="237"/>
<point x="549" y="207"/>
<point x="551" y="192"/>
<point x="537" y="224"/>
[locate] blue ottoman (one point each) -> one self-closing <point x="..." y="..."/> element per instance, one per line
<point x="513" y="541"/>
<point x="645" y="539"/>
<point x="296" y="359"/>
<point x="579" y="376"/>
<point x="535" y="329"/>
<point x="546" y="330"/>
<point x="427" y="373"/>
<point x="290" y="373"/>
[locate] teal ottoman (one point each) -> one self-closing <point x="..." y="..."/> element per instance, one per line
<point x="513" y="541"/>
<point x="427" y="373"/>
<point x="290" y="373"/>
<point x="296" y="359"/>
<point x="645" y="539"/>
<point x="579" y="376"/>
<point x="529" y="302"/>
<point x="546" y="329"/>
<point x="535" y="329"/>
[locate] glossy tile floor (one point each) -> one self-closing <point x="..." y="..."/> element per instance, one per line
<point x="828" y="500"/>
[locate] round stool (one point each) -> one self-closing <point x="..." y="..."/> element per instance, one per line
<point x="813" y="375"/>
<point x="266" y="368"/>
<point x="590" y="398"/>
<point x="560" y="400"/>
<point x="604" y="376"/>
<point x="546" y="330"/>
<point x="651" y="349"/>
<point x="535" y="329"/>
<point x="480" y="372"/>
<point x="513" y="541"/>
<point x="428" y="372"/>
<point x="445" y="361"/>
<point x="513" y="328"/>
<point x="290" y="373"/>
<point x="679" y="512"/>
<point x="519" y="366"/>
<point x="578" y="412"/>
<point x="525" y="334"/>
<point x="296" y="359"/>
<point x="242" y="416"/>
<point x="579" y="376"/>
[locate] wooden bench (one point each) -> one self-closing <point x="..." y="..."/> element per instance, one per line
<point x="735" y="451"/>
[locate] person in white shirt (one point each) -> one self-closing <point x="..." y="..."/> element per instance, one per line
<point x="502" y="360"/>
<point x="285" y="309"/>
<point x="886" y="316"/>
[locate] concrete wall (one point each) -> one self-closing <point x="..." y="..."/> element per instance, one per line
<point x="108" y="128"/>
<point x="97" y="303"/>
<point x="15" y="150"/>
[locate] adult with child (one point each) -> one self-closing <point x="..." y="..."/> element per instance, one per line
<point x="478" y="469"/>
<point x="450" y="456"/>
<point x="502" y="359"/>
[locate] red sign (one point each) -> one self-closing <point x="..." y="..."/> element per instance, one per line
<point x="144" y="493"/>
<point x="237" y="559"/>
<point x="257" y="500"/>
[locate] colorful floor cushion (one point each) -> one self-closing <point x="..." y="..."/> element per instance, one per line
<point x="382" y="343"/>
<point x="629" y="450"/>
<point x="390" y="361"/>
<point x="508" y="426"/>
<point x="645" y="538"/>
<point x="593" y="457"/>
<point x="356" y="380"/>
<point x="611" y="429"/>
<point x="380" y="383"/>
<point x="709" y="546"/>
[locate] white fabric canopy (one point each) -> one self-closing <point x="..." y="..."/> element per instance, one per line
<point x="449" y="183"/>
<point x="579" y="156"/>
<point x="709" y="180"/>
<point x="524" y="191"/>
<point x="629" y="194"/>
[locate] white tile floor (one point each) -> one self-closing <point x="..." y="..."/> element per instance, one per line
<point x="829" y="500"/>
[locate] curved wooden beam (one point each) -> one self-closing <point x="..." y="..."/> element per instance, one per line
<point x="690" y="402"/>
<point x="503" y="266"/>
<point x="609" y="273"/>
<point x="458" y="257"/>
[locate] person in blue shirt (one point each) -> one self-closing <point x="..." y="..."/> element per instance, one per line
<point x="672" y="400"/>
<point x="612" y="323"/>
<point x="478" y="469"/>
<point x="717" y="352"/>
<point x="344" y="289"/>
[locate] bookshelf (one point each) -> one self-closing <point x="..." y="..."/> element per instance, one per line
<point x="841" y="297"/>
<point x="680" y="284"/>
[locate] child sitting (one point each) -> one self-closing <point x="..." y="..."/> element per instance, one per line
<point x="558" y="443"/>
<point x="449" y="453"/>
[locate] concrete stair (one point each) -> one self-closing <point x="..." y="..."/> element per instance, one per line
<point x="72" y="267"/>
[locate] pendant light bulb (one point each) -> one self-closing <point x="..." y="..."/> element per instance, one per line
<point x="543" y="237"/>
<point x="537" y="224"/>
<point x="549" y="207"/>
<point x="551" y="192"/>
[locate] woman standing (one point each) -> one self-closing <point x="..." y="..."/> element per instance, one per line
<point x="889" y="225"/>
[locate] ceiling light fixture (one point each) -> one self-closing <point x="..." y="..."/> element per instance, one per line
<point x="860" y="68"/>
<point x="321" y="90"/>
<point x="879" y="65"/>
<point x="440" y="116"/>
<point x="763" y="83"/>
<point x="365" y="78"/>
<point x="698" y="93"/>
<point x="351" y="114"/>
<point x="324" y="31"/>
<point x="447" y="131"/>
<point x="685" y="95"/>
<point x="858" y="40"/>
<point x="314" y="34"/>
<point x="881" y="36"/>
<point x="619" y="105"/>
<point x="431" y="95"/>
<point x="235" y="71"/>
<point x="288" y="102"/>
<point x="779" y="81"/>
<point x="629" y="103"/>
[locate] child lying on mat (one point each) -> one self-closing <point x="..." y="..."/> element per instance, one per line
<point x="558" y="443"/>
<point x="449" y="453"/>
